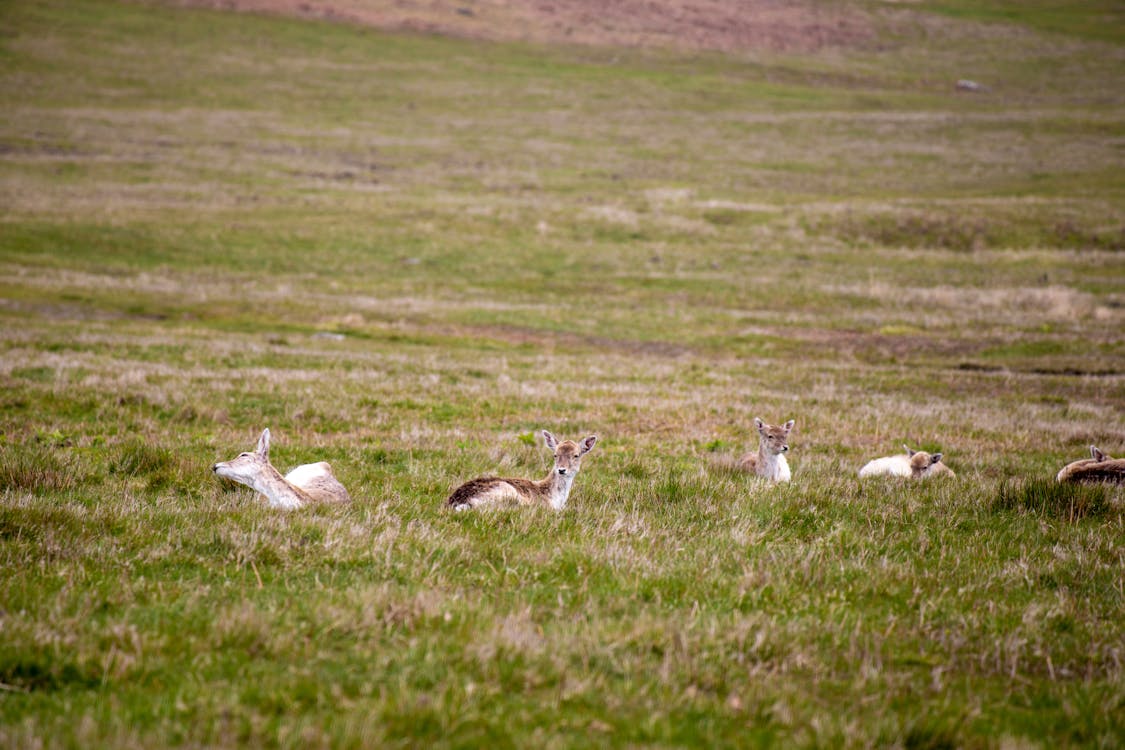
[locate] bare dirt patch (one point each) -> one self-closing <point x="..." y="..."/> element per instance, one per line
<point x="727" y="26"/>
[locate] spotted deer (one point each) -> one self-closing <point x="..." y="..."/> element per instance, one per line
<point x="769" y="461"/>
<point x="1097" y="468"/>
<point x="913" y="464"/>
<point x="304" y="485"/>
<point x="551" y="492"/>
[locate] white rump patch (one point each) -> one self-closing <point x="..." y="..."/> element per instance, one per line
<point x="305" y="473"/>
<point x="895" y="466"/>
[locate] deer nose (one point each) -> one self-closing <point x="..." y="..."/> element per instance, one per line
<point x="562" y="471"/>
<point x="784" y="448"/>
<point x="214" y="467"/>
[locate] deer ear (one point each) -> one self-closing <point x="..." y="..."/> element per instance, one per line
<point x="550" y="440"/>
<point x="935" y="458"/>
<point x="908" y="451"/>
<point x="789" y="425"/>
<point x="1096" y="454"/>
<point x="264" y="442"/>
<point x="588" y="444"/>
<point x="759" y="424"/>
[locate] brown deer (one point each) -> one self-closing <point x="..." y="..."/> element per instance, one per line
<point x="768" y="462"/>
<point x="1098" y="468"/>
<point x="551" y="492"/>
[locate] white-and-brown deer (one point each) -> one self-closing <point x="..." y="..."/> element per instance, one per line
<point x="769" y="461"/>
<point x="913" y="464"/>
<point x="551" y="492"/>
<point x="304" y="485"/>
<point x="1097" y="468"/>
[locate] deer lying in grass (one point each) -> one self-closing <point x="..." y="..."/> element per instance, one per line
<point x="552" y="492"/>
<point x="306" y="484"/>
<point x="1098" y="468"/>
<point x="913" y="464"/>
<point x="768" y="462"/>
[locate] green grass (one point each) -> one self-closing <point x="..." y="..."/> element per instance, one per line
<point x="407" y="255"/>
<point x="1101" y="20"/>
<point x="1069" y="501"/>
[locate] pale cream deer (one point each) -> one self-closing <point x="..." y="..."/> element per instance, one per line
<point x="551" y="492"/>
<point x="913" y="464"/>
<point x="304" y="485"/>
<point x="769" y="461"/>
<point x="1098" y="468"/>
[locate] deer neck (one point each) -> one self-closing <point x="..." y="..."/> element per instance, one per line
<point x="556" y="488"/>
<point x="279" y="493"/>
<point x="770" y="463"/>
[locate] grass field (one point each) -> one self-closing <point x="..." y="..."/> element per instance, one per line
<point x="407" y="254"/>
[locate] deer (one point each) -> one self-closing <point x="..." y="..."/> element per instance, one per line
<point x="552" y="492"/>
<point x="912" y="464"/>
<point x="305" y="485"/>
<point x="1097" y="468"/>
<point x="769" y="461"/>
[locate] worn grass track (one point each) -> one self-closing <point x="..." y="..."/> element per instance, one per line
<point x="406" y="254"/>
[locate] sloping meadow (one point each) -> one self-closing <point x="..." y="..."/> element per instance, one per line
<point x="407" y="255"/>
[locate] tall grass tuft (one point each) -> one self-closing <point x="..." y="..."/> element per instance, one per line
<point x="155" y="463"/>
<point x="930" y="736"/>
<point x="674" y="488"/>
<point x="1047" y="497"/>
<point x="38" y="470"/>
<point x="24" y="670"/>
<point x="138" y="458"/>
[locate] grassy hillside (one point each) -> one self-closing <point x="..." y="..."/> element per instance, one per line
<point x="407" y="254"/>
